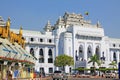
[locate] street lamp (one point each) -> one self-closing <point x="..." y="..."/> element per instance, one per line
<point x="103" y="57"/>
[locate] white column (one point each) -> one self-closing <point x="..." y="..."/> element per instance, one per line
<point x="107" y="55"/>
<point x="57" y="48"/>
<point x="85" y="51"/>
<point x="45" y="55"/>
<point x="65" y="46"/>
<point x="111" y="55"/>
<point x="37" y="56"/>
<point x="36" y="52"/>
<point x="46" y="69"/>
<point x="117" y="55"/>
<point x="93" y="49"/>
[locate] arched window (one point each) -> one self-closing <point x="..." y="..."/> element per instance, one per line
<point x="81" y="53"/>
<point x="114" y="57"/>
<point x="31" y="39"/>
<point x="81" y="49"/>
<point x="50" y="52"/>
<point x="50" y="59"/>
<point x="89" y="52"/>
<point x="41" y="59"/>
<point x="97" y="52"/>
<point x="32" y="51"/>
<point x="41" y="52"/>
<point x="41" y="40"/>
<point x="50" y="40"/>
<point x="50" y="70"/>
<point x="42" y="70"/>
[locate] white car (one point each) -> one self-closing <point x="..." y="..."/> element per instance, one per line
<point x="59" y="75"/>
<point x="110" y="75"/>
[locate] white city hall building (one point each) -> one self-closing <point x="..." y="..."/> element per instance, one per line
<point x="73" y="36"/>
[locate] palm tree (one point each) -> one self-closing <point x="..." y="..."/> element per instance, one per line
<point x="113" y="64"/>
<point x="94" y="59"/>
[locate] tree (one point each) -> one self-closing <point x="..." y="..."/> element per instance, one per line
<point x="113" y="64"/>
<point x="94" y="59"/>
<point x="63" y="60"/>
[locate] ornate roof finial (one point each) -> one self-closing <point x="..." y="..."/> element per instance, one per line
<point x="59" y="18"/>
<point x="1" y="19"/>
<point x="8" y="22"/>
<point x="20" y="31"/>
<point x="98" y="24"/>
<point x="48" y="26"/>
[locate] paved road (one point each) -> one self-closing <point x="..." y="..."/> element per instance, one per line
<point x="93" y="79"/>
<point x="74" y="79"/>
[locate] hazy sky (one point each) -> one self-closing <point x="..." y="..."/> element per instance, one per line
<point x="34" y="14"/>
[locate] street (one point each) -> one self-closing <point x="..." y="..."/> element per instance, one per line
<point x="92" y="79"/>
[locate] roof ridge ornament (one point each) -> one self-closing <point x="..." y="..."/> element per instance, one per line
<point x="8" y="22"/>
<point x="98" y="24"/>
<point x="48" y="26"/>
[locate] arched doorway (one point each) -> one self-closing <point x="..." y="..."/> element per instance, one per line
<point x="41" y="58"/>
<point x="97" y="51"/>
<point x="114" y="56"/>
<point x="89" y="52"/>
<point x="81" y="53"/>
<point x="32" y="52"/>
<point x="50" y="55"/>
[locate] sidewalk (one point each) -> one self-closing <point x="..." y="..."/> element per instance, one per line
<point x="46" y="78"/>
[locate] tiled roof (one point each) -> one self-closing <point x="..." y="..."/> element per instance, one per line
<point x="14" y="52"/>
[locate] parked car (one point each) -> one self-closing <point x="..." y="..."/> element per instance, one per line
<point x="110" y="75"/>
<point x="59" y="75"/>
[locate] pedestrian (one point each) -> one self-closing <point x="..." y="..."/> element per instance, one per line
<point x="9" y="75"/>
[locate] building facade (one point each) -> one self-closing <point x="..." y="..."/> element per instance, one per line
<point x="74" y="36"/>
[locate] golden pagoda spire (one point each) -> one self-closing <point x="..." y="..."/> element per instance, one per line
<point x="8" y="22"/>
<point x="20" y="31"/>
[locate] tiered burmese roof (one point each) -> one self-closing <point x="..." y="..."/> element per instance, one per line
<point x="2" y="23"/>
<point x="14" y="52"/>
<point x="72" y="18"/>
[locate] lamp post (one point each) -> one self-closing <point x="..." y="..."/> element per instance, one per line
<point x="102" y="59"/>
<point x="76" y="59"/>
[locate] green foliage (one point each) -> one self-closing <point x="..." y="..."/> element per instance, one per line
<point x="94" y="59"/>
<point x="82" y="69"/>
<point x="97" y="69"/>
<point x="113" y="64"/>
<point x="103" y="69"/>
<point x="63" y="60"/>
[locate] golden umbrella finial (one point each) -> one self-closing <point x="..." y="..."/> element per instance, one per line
<point x="20" y="32"/>
<point x="8" y="22"/>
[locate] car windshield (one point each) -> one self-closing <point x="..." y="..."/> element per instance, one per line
<point x="108" y="71"/>
<point x="57" y="72"/>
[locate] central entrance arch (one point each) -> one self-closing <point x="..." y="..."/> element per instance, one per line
<point x="97" y="51"/>
<point x="89" y="52"/>
<point x="81" y="53"/>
